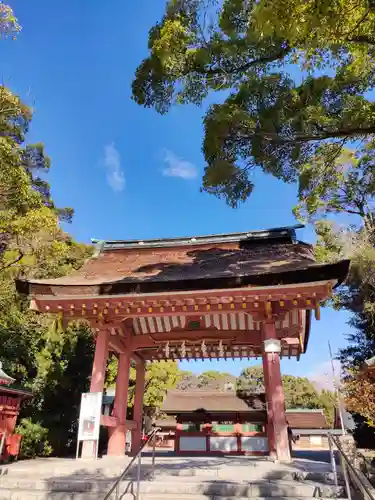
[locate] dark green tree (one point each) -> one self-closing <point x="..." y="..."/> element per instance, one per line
<point x="299" y="392"/>
<point x="292" y="80"/>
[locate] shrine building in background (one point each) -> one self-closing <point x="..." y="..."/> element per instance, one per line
<point x="227" y="296"/>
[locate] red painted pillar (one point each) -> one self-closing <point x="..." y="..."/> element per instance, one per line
<point x="100" y="362"/>
<point x="97" y="381"/>
<point x="177" y="437"/>
<point x="275" y="395"/>
<point x="138" y="405"/>
<point x="117" y="435"/>
<point x="269" y="425"/>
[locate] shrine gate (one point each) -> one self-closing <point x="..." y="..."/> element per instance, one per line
<point x="239" y="295"/>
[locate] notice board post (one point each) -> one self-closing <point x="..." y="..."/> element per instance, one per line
<point x="89" y="424"/>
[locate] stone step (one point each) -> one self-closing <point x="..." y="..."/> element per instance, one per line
<point x="10" y="494"/>
<point x="175" y="486"/>
<point x="234" y="474"/>
<point x="163" y="470"/>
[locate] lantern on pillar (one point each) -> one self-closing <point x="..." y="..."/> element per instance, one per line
<point x="272" y="346"/>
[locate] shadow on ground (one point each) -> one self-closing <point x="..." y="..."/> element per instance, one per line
<point x="308" y="475"/>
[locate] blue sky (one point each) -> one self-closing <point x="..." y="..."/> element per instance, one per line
<point x="127" y="171"/>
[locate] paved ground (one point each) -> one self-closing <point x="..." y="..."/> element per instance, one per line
<point x="169" y="464"/>
<point x="315" y="455"/>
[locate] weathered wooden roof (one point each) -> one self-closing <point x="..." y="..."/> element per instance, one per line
<point x="240" y="259"/>
<point x="306" y="419"/>
<point x="301" y="419"/>
<point x="178" y="401"/>
<point x="15" y="391"/>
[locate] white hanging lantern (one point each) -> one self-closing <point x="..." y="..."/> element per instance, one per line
<point x="272" y="346"/>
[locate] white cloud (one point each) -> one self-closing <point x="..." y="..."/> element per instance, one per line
<point x="178" y="167"/>
<point x="323" y="377"/>
<point x="112" y="163"/>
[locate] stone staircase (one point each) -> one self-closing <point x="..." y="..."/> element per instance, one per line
<point x="175" y="479"/>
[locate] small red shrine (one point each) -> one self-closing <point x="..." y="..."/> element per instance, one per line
<point x="10" y="404"/>
<point x="237" y="295"/>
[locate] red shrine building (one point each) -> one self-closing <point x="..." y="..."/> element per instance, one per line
<point x="10" y="404"/>
<point x="238" y="295"/>
<point x="211" y="422"/>
<point x="230" y="422"/>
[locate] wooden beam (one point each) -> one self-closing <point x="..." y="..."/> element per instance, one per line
<point x="155" y="339"/>
<point x="138" y="358"/>
<point x="278" y="292"/>
<point x="116" y="344"/>
<point x="282" y="298"/>
<point x="108" y="421"/>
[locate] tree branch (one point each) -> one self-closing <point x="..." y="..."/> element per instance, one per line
<point x="361" y="39"/>
<point x="20" y="256"/>
<point x="243" y="67"/>
<point x="359" y="22"/>
<point x="300" y="138"/>
<point x="354" y="212"/>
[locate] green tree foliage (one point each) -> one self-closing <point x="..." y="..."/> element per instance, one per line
<point x="160" y="377"/>
<point x="28" y="216"/>
<point x="215" y="380"/>
<point x="54" y="363"/>
<point x="34" y="439"/>
<point x="9" y="26"/>
<point x="345" y="184"/>
<point x="299" y="392"/>
<point x="188" y="381"/>
<point x="251" y="380"/>
<point x="292" y="80"/>
<point x="210" y="380"/>
<point x="349" y="188"/>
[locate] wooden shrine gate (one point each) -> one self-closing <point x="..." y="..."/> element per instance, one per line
<point x="239" y="295"/>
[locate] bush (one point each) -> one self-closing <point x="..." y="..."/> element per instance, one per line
<point x="34" y="439"/>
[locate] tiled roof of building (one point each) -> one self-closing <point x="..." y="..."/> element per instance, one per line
<point x="310" y="421"/>
<point x="306" y="419"/>
<point x="232" y="260"/>
<point x="182" y="402"/>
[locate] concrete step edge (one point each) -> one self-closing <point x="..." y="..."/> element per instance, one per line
<point x="210" y="489"/>
<point x="225" y="474"/>
<point x="27" y="495"/>
<point x="164" y="480"/>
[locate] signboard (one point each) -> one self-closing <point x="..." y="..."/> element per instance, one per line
<point x="89" y="416"/>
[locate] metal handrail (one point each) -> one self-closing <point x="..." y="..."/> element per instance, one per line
<point x="138" y="455"/>
<point x="359" y="479"/>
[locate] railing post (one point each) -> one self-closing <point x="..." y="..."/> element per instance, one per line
<point x="346" y="476"/>
<point x="139" y="473"/>
<point x="2" y="442"/>
<point x="333" y="461"/>
<point x="129" y="466"/>
<point x="153" y="454"/>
